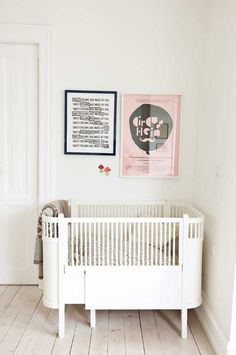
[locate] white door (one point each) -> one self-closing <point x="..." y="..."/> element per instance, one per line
<point x="18" y="162"/>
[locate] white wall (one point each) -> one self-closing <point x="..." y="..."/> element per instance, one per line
<point x="128" y="46"/>
<point x="215" y="187"/>
<point x="153" y="46"/>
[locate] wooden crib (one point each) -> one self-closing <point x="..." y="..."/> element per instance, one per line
<point x="124" y="256"/>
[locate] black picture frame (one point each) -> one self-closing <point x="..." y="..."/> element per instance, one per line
<point x="90" y="122"/>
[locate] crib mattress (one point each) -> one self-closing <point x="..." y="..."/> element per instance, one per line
<point x="114" y="253"/>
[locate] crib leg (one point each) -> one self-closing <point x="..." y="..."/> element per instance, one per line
<point x="61" y="321"/>
<point x="92" y="318"/>
<point x="184" y="323"/>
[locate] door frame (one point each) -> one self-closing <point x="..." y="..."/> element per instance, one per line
<point x="231" y="348"/>
<point x="42" y="36"/>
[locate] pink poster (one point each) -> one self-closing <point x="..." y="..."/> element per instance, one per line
<point x="150" y="135"/>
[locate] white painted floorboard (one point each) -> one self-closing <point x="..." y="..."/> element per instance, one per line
<point x="27" y="327"/>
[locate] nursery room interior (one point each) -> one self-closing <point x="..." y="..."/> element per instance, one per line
<point x="117" y="183"/>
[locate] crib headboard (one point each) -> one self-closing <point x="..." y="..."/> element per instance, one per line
<point x="147" y="209"/>
<point x="144" y="209"/>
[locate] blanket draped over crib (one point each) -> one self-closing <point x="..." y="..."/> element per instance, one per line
<point x="51" y="209"/>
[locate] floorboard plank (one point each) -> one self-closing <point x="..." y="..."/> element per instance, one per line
<point x="116" y="338"/>
<point x="168" y="324"/>
<point x="63" y="346"/>
<point x="30" y="298"/>
<point x="83" y="332"/>
<point x="133" y="335"/>
<point x="199" y="335"/>
<point x="2" y="289"/>
<point x="28" y="342"/>
<point x="7" y="297"/>
<point x="45" y="342"/>
<point x="151" y="337"/>
<point x="99" y="337"/>
<point x="10" y="313"/>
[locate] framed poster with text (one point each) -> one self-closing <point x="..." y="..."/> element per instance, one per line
<point x="90" y="122"/>
<point x="150" y="135"/>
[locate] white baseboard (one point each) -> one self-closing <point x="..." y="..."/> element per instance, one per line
<point x="213" y="331"/>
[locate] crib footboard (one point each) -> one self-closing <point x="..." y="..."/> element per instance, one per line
<point x="137" y="288"/>
<point x="128" y="263"/>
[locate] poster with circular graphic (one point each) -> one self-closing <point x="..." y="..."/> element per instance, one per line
<point x="150" y="135"/>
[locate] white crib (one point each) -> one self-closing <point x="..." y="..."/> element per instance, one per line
<point x="124" y="256"/>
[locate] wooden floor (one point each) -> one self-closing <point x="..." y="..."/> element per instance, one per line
<point x="27" y="327"/>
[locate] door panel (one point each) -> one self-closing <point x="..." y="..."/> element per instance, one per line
<point x="18" y="161"/>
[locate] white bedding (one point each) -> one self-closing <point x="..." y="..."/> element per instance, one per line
<point x="103" y="252"/>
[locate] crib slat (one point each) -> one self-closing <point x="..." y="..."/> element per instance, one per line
<point x="104" y="228"/>
<point x="72" y="244"/>
<point x="121" y="244"/>
<point x="112" y="244"/>
<point x="169" y="244"/>
<point x="156" y="227"/>
<point x="173" y="253"/>
<point x="76" y="243"/>
<point x="143" y="245"/>
<point x="129" y="243"/>
<point x="116" y="236"/>
<point x="85" y="243"/>
<point x="90" y="244"/>
<point x="106" y="235"/>
<point x="161" y="244"/>
<point x="108" y="242"/>
<point x="180" y="254"/>
<point x="55" y="230"/>
<point x="152" y="244"/>
<point x="134" y="243"/>
<point x="138" y="211"/>
<point x="165" y="241"/>
<point x="93" y="241"/>
<point x="50" y="227"/>
<point x="147" y="241"/>
<point x="125" y="244"/>
<point x="81" y="243"/>
<point x="191" y="231"/>
<point x="99" y="243"/>
<point x="138" y="244"/>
